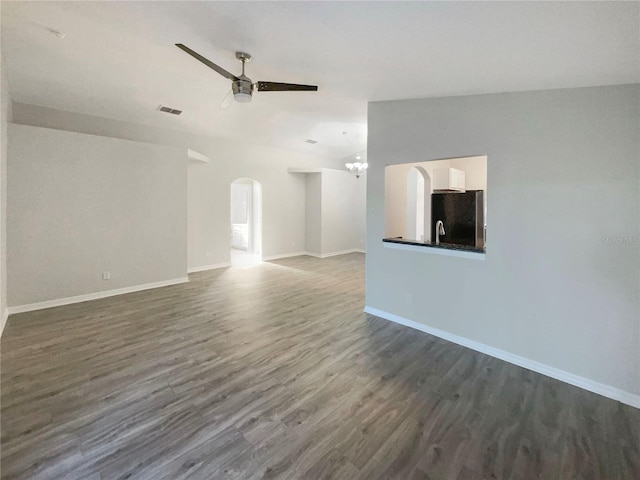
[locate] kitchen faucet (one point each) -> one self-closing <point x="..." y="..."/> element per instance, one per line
<point x="439" y="231"/>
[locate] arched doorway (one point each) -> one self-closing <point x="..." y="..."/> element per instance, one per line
<point x="418" y="225"/>
<point x="246" y="222"/>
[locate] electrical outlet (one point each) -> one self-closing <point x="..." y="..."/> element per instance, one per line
<point x="106" y="275"/>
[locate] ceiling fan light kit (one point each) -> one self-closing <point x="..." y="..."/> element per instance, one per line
<point x="242" y="97"/>
<point x="242" y="86"/>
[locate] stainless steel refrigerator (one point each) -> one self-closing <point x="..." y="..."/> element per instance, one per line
<point x="462" y="215"/>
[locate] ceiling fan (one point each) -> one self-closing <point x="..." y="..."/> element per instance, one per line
<point x="242" y="86"/>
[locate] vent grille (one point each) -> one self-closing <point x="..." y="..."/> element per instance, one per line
<point x="173" y="111"/>
<point x="310" y="141"/>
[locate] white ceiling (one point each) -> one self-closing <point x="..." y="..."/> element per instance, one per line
<point x="118" y="59"/>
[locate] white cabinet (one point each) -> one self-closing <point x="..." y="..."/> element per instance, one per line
<point x="450" y="179"/>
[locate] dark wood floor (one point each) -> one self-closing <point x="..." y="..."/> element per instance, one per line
<point x="274" y="372"/>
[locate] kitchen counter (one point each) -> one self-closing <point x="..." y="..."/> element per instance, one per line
<point x="444" y="246"/>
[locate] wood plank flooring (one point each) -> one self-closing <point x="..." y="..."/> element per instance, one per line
<point x="274" y="372"/>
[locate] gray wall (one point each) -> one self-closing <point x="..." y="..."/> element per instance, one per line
<point x="560" y="283"/>
<point x="82" y="204"/>
<point x="5" y="117"/>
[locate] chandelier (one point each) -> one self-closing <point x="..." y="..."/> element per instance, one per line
<point x="357" y="168"/>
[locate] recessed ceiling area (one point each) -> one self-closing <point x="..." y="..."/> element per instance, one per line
<point x="118" y="59"/>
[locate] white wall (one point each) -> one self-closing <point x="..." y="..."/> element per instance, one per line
<point x="343" y="211"/>
<point x="82" y="204"/>
<point x="360" y="214"/>
<point x="5" y="117"/>
<point x="283" y="202"/>
<point x="313" y="213"/>
<point x="560" y="282"/>
<point x="475" y="171"/>
<point x="283" y="194"/>
<point x="335" y="212"/>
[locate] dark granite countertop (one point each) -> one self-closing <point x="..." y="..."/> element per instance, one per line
<point x="445" y="246"/>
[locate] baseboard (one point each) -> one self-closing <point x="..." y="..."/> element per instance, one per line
<point x="276" y="257"/>
<point x="333" y="254"/>
<point x="283" y="255"/>
<point x="3" y="319"/>
<point x="208" y="267"/>
<point x="313" y="254"/>
<point x="581" y="382"/>
<point x="341" y="252"/>
<point x="93" y="296"/>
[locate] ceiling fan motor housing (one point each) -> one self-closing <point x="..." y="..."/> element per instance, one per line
<point x="242" y="89"/>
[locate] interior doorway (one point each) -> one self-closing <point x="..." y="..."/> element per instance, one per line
<point x="419" y="192"/>
<point x="246" y="222"/>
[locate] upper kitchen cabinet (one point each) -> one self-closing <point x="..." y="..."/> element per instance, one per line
<point x="448" y="180"/>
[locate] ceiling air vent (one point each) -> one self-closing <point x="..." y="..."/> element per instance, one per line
<point x="174" y="111"/>
<point x="312" y="142"/>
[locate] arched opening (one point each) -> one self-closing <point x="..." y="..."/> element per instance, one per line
<point x="419" y="192"/>
<point x="246" y="222"/>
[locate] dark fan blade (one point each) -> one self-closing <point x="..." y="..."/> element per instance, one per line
<point x="284" y="87"/>
<point x="208" y="63"/>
